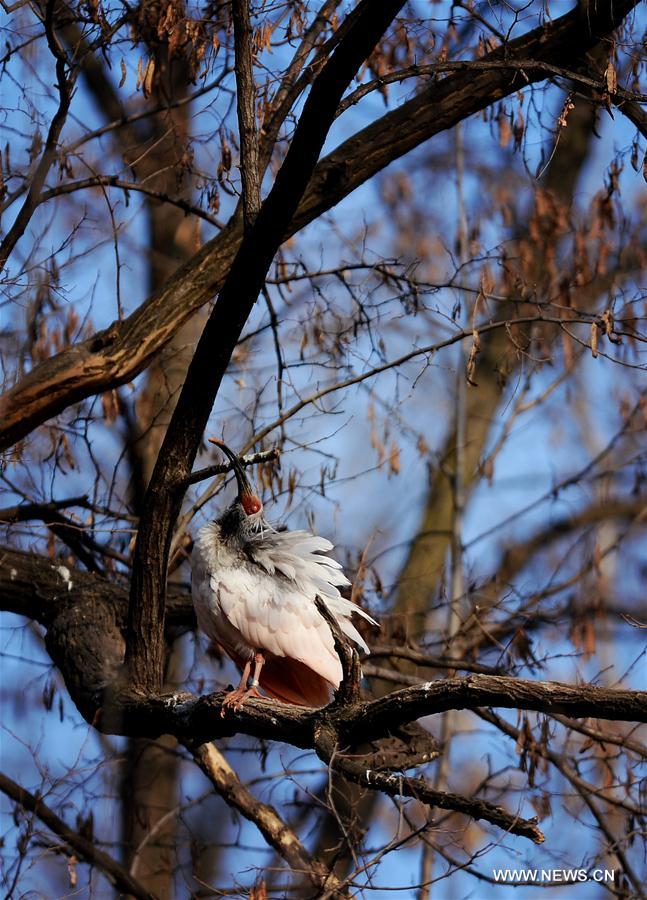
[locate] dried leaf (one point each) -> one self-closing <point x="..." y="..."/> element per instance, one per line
<point x="471" y="362"/>
<point x="566" y="109"/>
<point x="110" y="404"/>
<point x="488" y="282"/>
<point x="394" y="459"/>
<point x="487" y="469"/>
<point x="611" y="77"/>
<point x="567" y="347"/>
<point x="147" y="81"/>
<point x="518" y="129"/>
<point x="258" y="890"/>
<point x="594" y="340"/>
<point x="71" y="870"/>
<point x="123" y="74"/>
<point x="505" y="129"/>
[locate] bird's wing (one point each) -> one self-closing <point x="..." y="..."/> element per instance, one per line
<point x="299" y="556"/>
<point x="274" y="616"/>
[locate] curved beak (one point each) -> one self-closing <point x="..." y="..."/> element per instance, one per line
<point x="251" y="503"/>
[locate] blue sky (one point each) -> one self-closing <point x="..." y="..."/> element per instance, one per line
<point x="361" y="502"/>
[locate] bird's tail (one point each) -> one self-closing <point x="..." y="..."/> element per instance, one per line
<point x="293" y="682"/>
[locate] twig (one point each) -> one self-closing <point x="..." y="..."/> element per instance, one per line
<point x="583" y="789"/>
<point x="402" y="786"/>
<point x="64" y="86"/>
<point x="348" y="690"/>
<point x="116" y="874"/>
<point x="274" y="829"/>
<point x="253" y="459"/>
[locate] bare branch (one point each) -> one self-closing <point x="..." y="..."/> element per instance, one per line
<point x="145" y="645"/>
<point x="274" y="829"/>
<point x="65" y="86"/>
<point x="116" y="874"/>
<point x="497" y="690"/>
<point x="583" y="789"/>
<point x="115" y="355"/>
<point x="246" y="107"/>
<point x="355" y="770"/>
<point x="253" y="459"/>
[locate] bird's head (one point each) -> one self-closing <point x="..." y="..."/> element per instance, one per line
<point x="247" y="505"/>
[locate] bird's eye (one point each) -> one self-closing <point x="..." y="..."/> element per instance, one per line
<point x="251" y="504"/>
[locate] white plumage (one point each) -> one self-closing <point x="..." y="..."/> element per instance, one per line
<point x="254" y="590"/>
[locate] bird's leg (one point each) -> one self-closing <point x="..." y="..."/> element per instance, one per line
<point x="237" y="697"/>
<point x="259" y="662"/>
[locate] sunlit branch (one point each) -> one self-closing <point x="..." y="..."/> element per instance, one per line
<point x="274" y="829"/>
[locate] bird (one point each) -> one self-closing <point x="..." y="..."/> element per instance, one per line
<point x="255" y="588"/>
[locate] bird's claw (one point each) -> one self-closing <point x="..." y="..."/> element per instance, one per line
<point x="236" y="698"/>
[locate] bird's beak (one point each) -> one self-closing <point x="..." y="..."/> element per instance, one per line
<point x="250" y="502"/>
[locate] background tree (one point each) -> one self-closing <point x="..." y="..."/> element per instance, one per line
<point x="436" y="362"/>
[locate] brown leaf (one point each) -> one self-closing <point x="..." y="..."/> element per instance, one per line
<point x="394" y="459"/>
<point x="567" y="347"/>
<point x="505" y="129"/>
<point x="258" y="891"/>
<point x="123" y="74"/>
<point x="471" y="362"/>
<point x="147" y="81"/>
<point x="611" y="77"/>
<point x="594" y="340"/>
<point x="71" y="870"/>
<point x="110" y="404"/>
<point x="488" y="281"/>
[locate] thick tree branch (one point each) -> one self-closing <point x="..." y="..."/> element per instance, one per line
<point x="522" y="65"/>
<point x="246" y="107"/>
<point x="44" y="591"/>
<point x="118" y="876"/>
<point x="40" y="589"/>
<point x="85" y="619"/>
<point x="114" y="356"/>
<point x="576" y="701"/>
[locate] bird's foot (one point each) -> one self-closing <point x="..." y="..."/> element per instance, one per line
<point x="237" y="697"/>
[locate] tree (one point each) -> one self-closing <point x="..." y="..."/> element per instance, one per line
<point x="473" y="312"/>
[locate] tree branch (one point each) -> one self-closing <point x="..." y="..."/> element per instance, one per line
<point x="274" y="829"/>
<point x="115" y="355"/>
<point x="246" y="109"/>
<point x="118" y="876"/>
<point x="355" y="770"/>
<point x="145" y="637"/>
<point x="64" y="85"/>
<point x="502" y="691"/>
